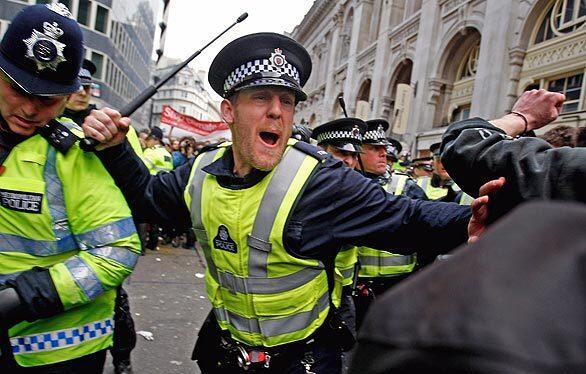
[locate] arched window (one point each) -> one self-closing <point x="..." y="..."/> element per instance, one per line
<point x="558" y="65"/>
<point x="564" y="17"/>
<point x="470" y="63"/>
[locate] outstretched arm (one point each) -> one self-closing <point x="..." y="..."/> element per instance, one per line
<point x="476" y="151"/>
<point x="152" y="198"/>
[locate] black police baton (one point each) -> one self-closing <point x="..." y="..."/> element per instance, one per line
<point x="343" y="105"/>
<point x="89" y="144"/>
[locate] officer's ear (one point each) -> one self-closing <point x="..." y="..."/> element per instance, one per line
<point x="227" y="111"/>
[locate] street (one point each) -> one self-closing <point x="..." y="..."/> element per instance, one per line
<point x="167" y="298"/>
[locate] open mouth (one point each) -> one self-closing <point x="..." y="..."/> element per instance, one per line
<point x="269" y="138"/>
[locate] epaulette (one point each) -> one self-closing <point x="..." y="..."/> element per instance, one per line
<point x="58" y="135"/>
<point x="311" y="150"/>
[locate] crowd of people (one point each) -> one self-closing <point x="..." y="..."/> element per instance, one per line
<point x="320" y="259"/>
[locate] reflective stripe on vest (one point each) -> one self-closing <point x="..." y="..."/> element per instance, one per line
<point x="251" y="327"/>
<point x="433" y="193"/>
<point x="397" y="185"/>
<point x="196" y="190"/>
<point x="387" y="261"/>
<point x="345" y="261"/>
<point x="375" y="263"/>
<point x="68" y="242"/>
<point x="55" y="198"/>
<point x="466" y="199"/>
<point x="276" y="326"/>
<point x="61" y="338"/>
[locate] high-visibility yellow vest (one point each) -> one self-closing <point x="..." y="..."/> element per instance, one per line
<point x="260" y="293"/>
<point x="157" y="159"/>
<point x="64" y="212"/>
<point x="379" y="264"/>
<point x="433" y="193"/>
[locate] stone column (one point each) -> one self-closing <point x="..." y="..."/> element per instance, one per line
<point x="516" y="57"/>
<point x="380" y="72"/>
<point x="351" y="70"/>
<point x="426" y="91"/>
<point x="334" y="46"/>
<point x="491" y="83"/>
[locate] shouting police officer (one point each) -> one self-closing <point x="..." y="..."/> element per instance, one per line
<point x="66" y="234"/>
<point x="271" y="214"/>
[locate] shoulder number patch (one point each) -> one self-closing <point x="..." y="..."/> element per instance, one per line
<point x="28" y="202"/>
<point x="223" y="241"/>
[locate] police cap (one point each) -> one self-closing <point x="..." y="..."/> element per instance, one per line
<point x="344" y="134"/>
<point x="375" y="134"/>
<point x="42" y="50"/>
<point x="156" y="133"/>
<point x="394" y="147"/>
<point x="422" y="162"/>
<point x="435" y="149"/>
<point x="262" y="59"/>
<point x="85" y="73"/>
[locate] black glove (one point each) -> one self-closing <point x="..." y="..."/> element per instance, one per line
<point x="10" y="308"/>
<point x="301" y="133"/>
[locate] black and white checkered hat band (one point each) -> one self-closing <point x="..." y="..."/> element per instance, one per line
<point x="374" y="135"/>
<point x="268" y="82"/>
<point x="336" y="135"/>
<point x="264" y="66"/>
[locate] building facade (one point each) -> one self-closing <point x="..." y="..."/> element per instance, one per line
<point x="119" y="37"/>
<point x="185" y="93"/>
<point x="422" y="64"/>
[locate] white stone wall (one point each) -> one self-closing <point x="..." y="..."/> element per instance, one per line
<point x="423" y="43"/>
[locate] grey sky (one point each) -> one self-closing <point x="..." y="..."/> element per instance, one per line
<point x="193" y="23"/>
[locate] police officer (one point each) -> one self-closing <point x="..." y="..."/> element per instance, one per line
<point x="78" y="105"/>
<point x="421" y="167"/>
<point x="381" y="270"/>
<point x="271" y="214"/>
<point x="66" y="234"/>
<point x="342" y="138"/>
<point x="440" y="186"/>
<point x="156" y="156"/>
<point x="77" y="108"/>
<point x="394" y="164"/>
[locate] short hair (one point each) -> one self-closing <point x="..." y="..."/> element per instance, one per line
<point x="581" y="137"/>
<point x="560" y="136"/>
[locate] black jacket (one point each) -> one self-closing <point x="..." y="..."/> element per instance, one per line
<point x="474" y="152"/>
<point x="513" y="302"/>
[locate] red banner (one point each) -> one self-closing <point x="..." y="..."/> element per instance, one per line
<point x="173" y="118"/>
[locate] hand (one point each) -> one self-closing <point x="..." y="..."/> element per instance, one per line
<point x="106" y="126"/>
<point x="479" y="206"/>
<point x="540" y="107"/>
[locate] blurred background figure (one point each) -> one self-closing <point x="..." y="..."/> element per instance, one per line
<point x="78" y="104"/>
<point x="422" y="167"/>
<point x="561" y="136"/>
